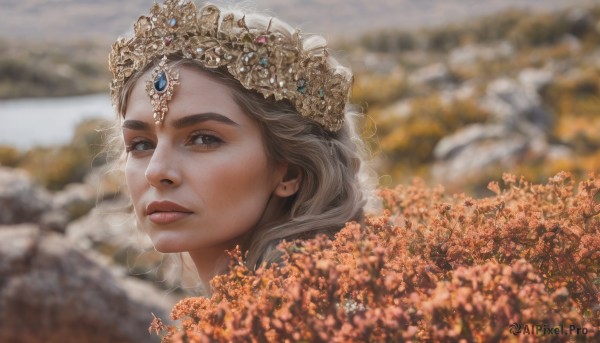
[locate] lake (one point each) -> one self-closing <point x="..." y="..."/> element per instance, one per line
<point x="48" y="121"/>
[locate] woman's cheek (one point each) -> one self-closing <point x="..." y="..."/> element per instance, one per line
<point x="135" y="179"/>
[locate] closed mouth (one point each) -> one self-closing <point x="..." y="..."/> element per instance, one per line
<point x="166" y="207"/>
<point x="166" y="212"/>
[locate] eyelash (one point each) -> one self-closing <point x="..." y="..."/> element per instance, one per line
<point x="132" y="147"/>
<point x="134" y="143"/>
<point x="195" y="135"/>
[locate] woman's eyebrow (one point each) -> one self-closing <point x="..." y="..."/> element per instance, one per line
<point x="181" y="122"/>
<point x="136" y="125"/>
<point x="202" y="117"/>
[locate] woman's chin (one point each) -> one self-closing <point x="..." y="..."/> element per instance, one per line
<point x="167" y="245"/>
<point x="165" y="249"/>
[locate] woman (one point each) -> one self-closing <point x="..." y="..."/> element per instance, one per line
<point x="236" y="132"/>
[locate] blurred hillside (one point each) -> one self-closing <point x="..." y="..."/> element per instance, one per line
<point x="517" y="91"/>
<point x="66" y="20"/>
<point x="52" y="69"/>
<point x="60" y="47"/>
<point x="458" y="104"/>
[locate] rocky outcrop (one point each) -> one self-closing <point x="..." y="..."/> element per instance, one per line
<point x="110" y="223"/>
<point x="469" y="55"/>
<point x="478" y="149"/>
<point x="21" y="200"/>
<point x="52" y="292"/>
<point x="110" y="227"/>
<point x="24" y="201"/>
<point x="517" y="105"/>
<point x="66" y="264"/>
<point x="76" y="200"/>
<point x="436" y="76"/>
<point x="517" y="131"/>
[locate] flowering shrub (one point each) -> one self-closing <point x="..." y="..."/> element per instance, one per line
<point x="433" y="267"/>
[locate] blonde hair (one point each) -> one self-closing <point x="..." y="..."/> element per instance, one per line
<point x="335" y="181"/>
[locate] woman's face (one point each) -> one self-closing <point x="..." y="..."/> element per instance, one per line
<point x="202" y="179"/>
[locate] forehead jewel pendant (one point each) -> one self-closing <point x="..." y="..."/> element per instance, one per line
<point x="160" y="89"/>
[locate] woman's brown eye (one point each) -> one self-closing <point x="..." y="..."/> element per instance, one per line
<point x="206" y="140"/>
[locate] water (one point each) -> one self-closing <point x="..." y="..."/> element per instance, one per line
<point x="25" y="123"/>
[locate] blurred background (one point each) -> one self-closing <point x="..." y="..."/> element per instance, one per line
<point x="455" y="92"/>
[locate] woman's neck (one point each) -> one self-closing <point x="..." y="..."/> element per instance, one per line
<point x="210" y="262"/>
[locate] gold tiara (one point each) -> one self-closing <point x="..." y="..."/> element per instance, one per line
<point x="270" y="63"/>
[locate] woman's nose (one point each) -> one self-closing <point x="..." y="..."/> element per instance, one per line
<point x="162" y="170"/>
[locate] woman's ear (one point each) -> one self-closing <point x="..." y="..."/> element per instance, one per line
<point x="290" y="182"/>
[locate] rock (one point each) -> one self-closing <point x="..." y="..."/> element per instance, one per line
<point x="573" y="43"/>
<point x="468" y="55"/>
<point x="76" y="200"/>
<point x="463" y="56"/>
<point x="581" y="21"/>
<point x="51" y="292"/>
<point x="435" y="75"/>
<point x="513" y="104"/>
<point x="481" y="148"/>
<point x="465" y="91"/>
<point x="559" y="152"/>
<point x="21" y="200"/>
<point x="55" y="220"/>
<point x="535" y="80"/>
<point x="111" y="223"/>
<point x="110" y="229"/>
<point x="476" y="159"/>
<point x="450" y="146"/>
<point x="518" y="132"/>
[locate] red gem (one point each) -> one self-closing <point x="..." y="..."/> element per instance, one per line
<point x="262" y="39"/>
<point x="168" y="41"/>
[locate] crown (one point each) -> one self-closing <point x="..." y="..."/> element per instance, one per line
<point x="268" y="62"/>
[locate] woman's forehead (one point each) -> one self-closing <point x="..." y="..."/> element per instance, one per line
<point x="197" y="92"/>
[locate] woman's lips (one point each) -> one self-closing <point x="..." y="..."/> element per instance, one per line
<point x="165" y="212"/>
<point x="167" y="217"/>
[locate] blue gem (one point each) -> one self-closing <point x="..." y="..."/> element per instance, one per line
<point x="301" y="86"/>
<point x="321" y="92"/>
<point x="160" y="83"/>
<point x="264" y="61"/>
<point x="172" y="22"/>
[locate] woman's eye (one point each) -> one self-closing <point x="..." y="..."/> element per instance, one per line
<point x="206" y="140"/>
<point x="139" y="146"/>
